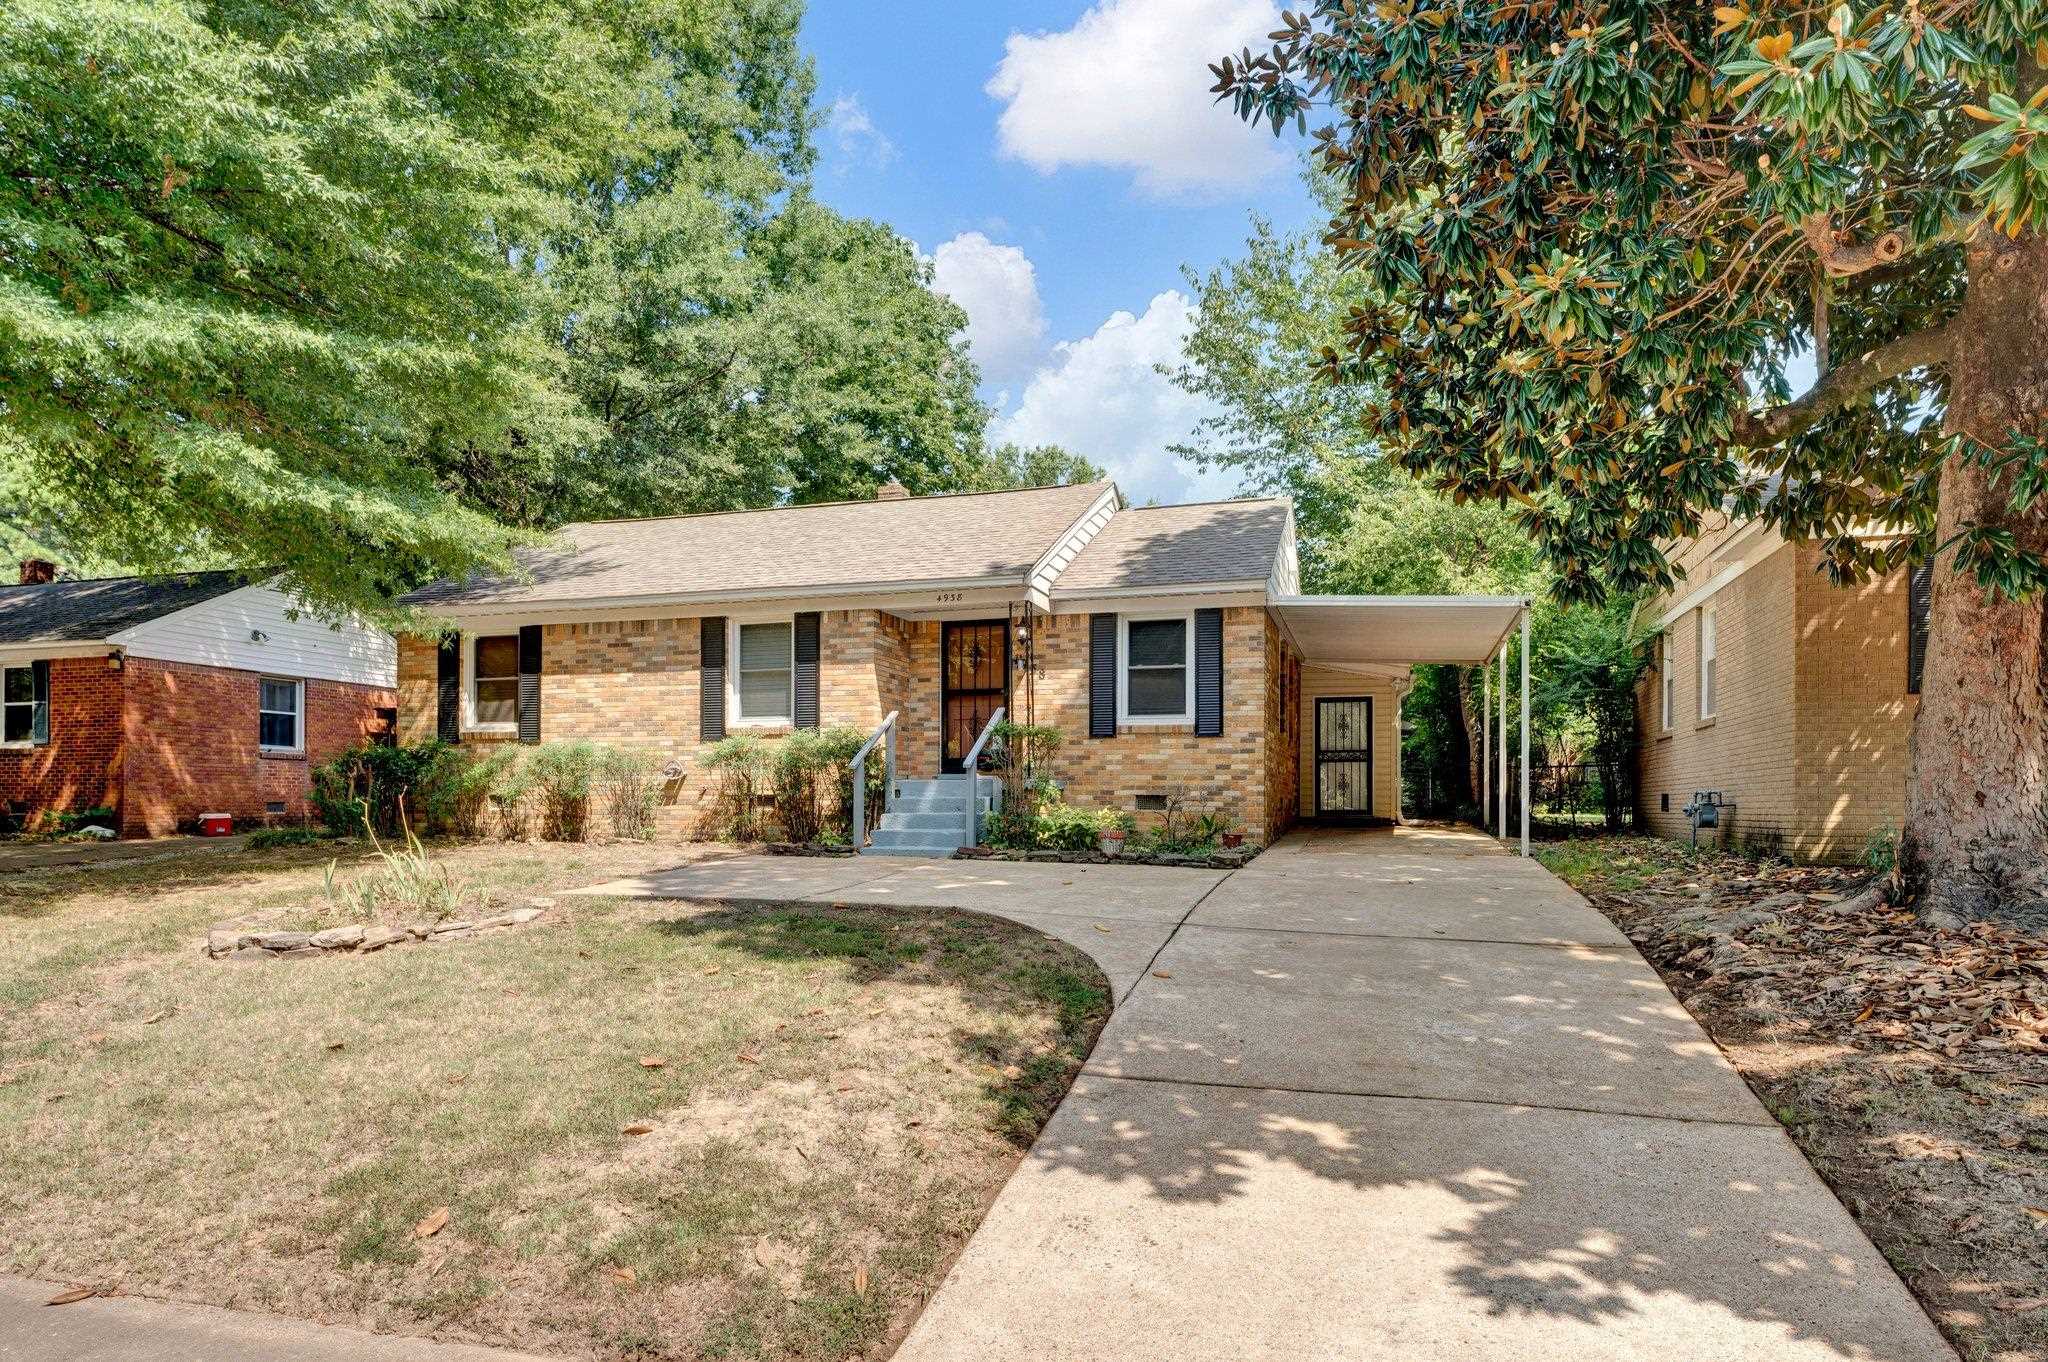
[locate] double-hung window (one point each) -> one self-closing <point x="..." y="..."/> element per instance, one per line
<point x="280" y="714"/>
<point x="1158" y="670"/>
<point x="765" y="670"/>
<point x="494" y="682"/>
<point x="17" y="704"/>
<point x="1667" y="683"/>
<point x="1710" y="670"/>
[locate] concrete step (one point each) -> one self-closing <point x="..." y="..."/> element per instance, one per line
<point x="917" y="841"/>
<point x="936" y="820"/>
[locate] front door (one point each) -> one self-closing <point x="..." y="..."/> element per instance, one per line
<point x="1344" y="755"/>
<point x="974" y="674"/>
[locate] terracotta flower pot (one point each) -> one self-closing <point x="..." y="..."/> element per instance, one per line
<point x="1112" y="843"/>
<point x="1233" y="840"/>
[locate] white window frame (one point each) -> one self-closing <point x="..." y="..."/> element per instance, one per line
<point x="1710" y="663"/>
<point x="30" y="740"/>
<point x="1667" y="683"/>
<point x="469" y="679"/>
<point x="298" y="743"/>
<point x="733" y="717"/>
<point x="1124" y="717"/>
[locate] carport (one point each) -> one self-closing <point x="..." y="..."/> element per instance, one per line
<point x="1369" y="635"/>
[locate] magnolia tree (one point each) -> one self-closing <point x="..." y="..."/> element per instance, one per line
<point x="1602" y="241"/>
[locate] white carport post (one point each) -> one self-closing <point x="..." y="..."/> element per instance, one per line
<point x="1525" y="731"/>
<point x="1485" y="744"/>
<point x="1501" y="785"/>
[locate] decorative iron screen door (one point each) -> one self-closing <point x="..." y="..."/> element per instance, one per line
<point x="1344" y="754"/>
<point x="974" y="674"/>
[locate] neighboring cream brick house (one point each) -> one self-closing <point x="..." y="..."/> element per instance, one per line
<point x="1170" y="645"/>
<point x="1790" y="695"/>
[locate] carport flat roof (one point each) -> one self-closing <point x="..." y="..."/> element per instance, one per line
<point x="1375" y="630"/>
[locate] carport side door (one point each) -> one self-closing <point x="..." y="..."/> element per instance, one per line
<point x="1344" y="756"/>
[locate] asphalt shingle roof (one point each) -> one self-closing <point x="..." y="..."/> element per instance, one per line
<point x="86" y="611"/>
<point x="788" y="548"/>
<point x="1216" y="541"/>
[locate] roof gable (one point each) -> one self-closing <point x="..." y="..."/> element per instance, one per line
<point x="1209" y="543"/>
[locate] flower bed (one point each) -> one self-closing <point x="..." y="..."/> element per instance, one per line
<point x="229" y="942"/>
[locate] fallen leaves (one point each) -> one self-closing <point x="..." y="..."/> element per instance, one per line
<point x="637" y="1128"/>
<point x="860" y="1281"/>
<point x="653" y="1062"/>
<point x="435" y="1222"/>
<point x="625" y="1276"/>
<point x="1162" y="974"/>
<point x="73" y="1296"/>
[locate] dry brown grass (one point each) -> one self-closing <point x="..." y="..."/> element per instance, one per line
<point x="838" y="1096"/>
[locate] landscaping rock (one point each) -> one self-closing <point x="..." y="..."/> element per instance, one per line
<point x="247" y="953"/>
<point x="450" y="928"/>
<point x="220" y="942"/>
<point x="299" y="953"/>
<point x="377" y="938"/>
<point x="339" y="938"/>
<point x="521" y="915"/>
<point x="283" y="941"/>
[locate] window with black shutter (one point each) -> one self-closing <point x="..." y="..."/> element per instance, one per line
<point x="1919" y="605"/>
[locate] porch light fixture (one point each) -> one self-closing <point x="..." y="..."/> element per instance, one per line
<point x="114" y="661"/>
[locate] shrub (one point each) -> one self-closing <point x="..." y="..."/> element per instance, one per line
<point x="263" y="839"/>
<point x="369" y="784"/>
<point x="1053" y="826"/>
<point x="408" y="881"/>
<point x="740" y="763"/>
<point x="456" y="793"/>
<point x="560" y="775"/>
<point x="1881" y="850"/>
<point x="837" y="747"/>
<point x="795" y="770"/>
<point x="630" y="785"/>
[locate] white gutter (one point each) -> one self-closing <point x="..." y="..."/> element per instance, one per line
<point x="652" y="603"/>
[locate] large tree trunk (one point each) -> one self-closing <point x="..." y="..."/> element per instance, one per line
<point x="1976" y="837"/>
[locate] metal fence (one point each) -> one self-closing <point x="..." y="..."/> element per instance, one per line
<point x="1576" y="794"/>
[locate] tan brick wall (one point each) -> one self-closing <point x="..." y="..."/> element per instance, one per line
<point x="1283" y="730"/>
<point x="1224" y="774"/>
<point x="1317" y="682"/>
<point x="635" y="684"/>
<point x="1813" y="718"/>
<point x="1854" y="719"/>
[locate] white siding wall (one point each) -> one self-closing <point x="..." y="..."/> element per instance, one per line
<point x="222" y="633"/>
<point x="1317" y="682"/>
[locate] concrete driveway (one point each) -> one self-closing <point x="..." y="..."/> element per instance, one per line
<point x="1379" y="1095"/>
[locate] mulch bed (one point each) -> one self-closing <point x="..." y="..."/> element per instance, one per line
<point x="1909" y="1062"/>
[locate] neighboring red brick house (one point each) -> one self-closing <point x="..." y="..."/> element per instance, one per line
<point x="1170" y="645"/>
<point x="162" y="698"/>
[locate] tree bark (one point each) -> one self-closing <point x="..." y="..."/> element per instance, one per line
<point x="1976" y="835"/>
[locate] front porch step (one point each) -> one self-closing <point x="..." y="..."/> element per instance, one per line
<point x="917" y="841"/>
<point x="929" y="817"/>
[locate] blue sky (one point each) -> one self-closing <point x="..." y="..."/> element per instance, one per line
<point x="1060" y="163"/>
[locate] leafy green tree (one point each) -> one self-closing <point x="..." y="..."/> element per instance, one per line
<point x="265" y="274"/>
<point x="1593" y="238"/>
<point x="1012" y="465"/>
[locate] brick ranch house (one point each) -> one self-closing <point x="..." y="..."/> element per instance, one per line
<point x="163" y="698"/>
<point x="1168" y="644"/>
<point x="1792" y="696"/>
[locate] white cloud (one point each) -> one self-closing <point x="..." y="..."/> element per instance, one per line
<point x="998" y="287"/>
<point x="1127" y="87"/>
<point x="1102" y="397"/>
<point x="858" y="141"/>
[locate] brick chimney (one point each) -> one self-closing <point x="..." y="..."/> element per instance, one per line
<point x="892" y="490"/>
<point x="36" y="571"/>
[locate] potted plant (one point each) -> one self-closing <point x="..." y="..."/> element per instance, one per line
<point x="1111" y="840"/>
<point x="1232" y="840"/>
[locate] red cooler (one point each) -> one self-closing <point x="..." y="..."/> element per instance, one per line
<point x="216" y="824"/>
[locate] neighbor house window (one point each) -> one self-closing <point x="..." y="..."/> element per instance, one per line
<point x="279" y="711"/>
<point x="1667" y="682"/>
<point x="494" y="682"/>
<point x="766" y="657"/>
<point x="18" y="714"/>
<point x="1709" y="665"/>
<point x="1158" y="669"/>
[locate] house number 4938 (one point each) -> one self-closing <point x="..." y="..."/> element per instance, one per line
<point x="950" y="597"/>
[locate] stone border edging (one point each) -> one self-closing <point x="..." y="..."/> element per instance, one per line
<point x="237" y="943"/>
<point x="1231" y="859"/>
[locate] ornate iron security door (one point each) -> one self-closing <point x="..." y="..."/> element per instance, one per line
<point x="974" y="675"/>
<point x="1344" y="755"/>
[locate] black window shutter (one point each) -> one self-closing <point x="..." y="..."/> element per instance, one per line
<point x="1208" y="673"/>
<point x="448" y="689"/>
<point x="711" y="678"/>
<point x="805" y="713"/>
<point x="1102" y="676"/>
<point x="39" y="732"/>
<point x="1919" y="602"/>
<point x="529" y="683"/>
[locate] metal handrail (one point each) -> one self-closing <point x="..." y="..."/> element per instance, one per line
<point x="858" y="830"/>
<point x="967" y="768"/>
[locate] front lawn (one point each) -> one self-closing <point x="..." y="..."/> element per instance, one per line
<point x="823" y="1104"/>
<point x="1910" y="1064"/>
